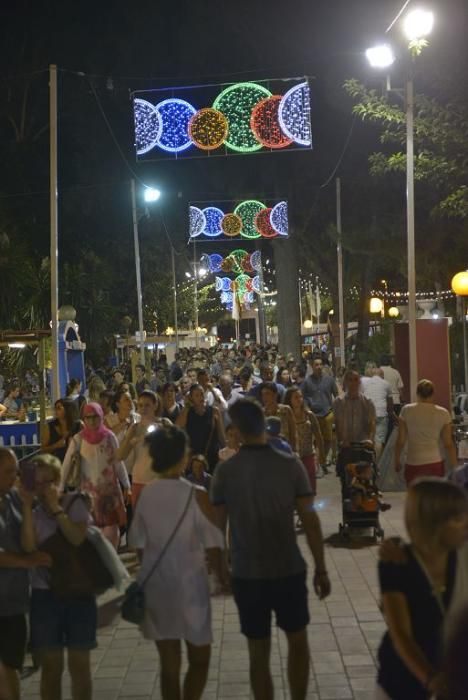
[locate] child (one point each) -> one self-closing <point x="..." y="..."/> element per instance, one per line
<point x="197" y="472"/>
<point x="364" y="493"/>
<point x="275" y="439"/>
<point x="232" y="444"/>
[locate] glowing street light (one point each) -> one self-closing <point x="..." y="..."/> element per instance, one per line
<point x="393" y="312"/>
<point x="417" y="24"/>
<point x="380" y="56"/>
<point x="151" y="194"/>
<point x="376" y="305"/>
<point x="460" y="288"/>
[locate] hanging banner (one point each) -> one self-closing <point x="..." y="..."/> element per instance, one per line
<point x="222" y="119"/>
<point x="248" y="219"/>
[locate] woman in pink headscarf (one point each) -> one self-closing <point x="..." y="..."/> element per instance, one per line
<point x="102" y="475"/>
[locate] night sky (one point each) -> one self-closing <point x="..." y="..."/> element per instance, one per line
<point x="122" y="46"/>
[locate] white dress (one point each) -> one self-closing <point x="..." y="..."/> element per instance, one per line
<point x="177" y="595"/>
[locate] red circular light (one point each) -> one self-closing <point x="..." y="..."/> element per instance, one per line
<point x="265" y="124"/>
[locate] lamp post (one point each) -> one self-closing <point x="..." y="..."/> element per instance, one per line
<point x="460" y="287"/>
<point x="417" y="24"/>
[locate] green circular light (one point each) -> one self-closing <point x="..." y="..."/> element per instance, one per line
<point x="247" y="211"/>
<point x="236" y="102"/>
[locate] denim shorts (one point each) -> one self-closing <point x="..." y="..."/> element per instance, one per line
<point x="57" y="623"/>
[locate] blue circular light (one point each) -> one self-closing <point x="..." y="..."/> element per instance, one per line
<point x="215" y="261"/>
<point x="279" y="218"/>
<point x="226" y="284"/>
<point x="148" y="125"/>
<point x="213" y="217"/>
<point x="256" y="260"/>
<point x="175" y="115"/>
<point x="218" y="284"/>
<point x="197" y="221"/>
<point x="294" y="114"/>
<point x="256" y="284"/>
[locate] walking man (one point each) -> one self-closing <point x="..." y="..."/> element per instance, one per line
<point x="259" y="489"/>
<point x="319" y="390"/>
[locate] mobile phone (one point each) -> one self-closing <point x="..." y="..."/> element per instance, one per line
<point x="28" y="475"/>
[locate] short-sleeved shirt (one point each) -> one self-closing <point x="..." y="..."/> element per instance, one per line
<point x="426" y="623"/>
<point x="46" y="525"/>
<point x="354" y="418"/>
<point x="259" y="487"/>
<point x="319" y="392"/>
<point x="14" y="583"/>
<point x="393" y="377"/>
<point x="424" y="423"/>
<point x="378" y="391"/>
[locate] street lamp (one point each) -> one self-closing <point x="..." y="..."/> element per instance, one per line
<point x="417" y="25"/>
<point x="460" y="287"/>
<point x="151" y="194"/>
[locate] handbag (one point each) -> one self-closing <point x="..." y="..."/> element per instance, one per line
<point x="76" y="571"/>
<point x="133" y="604"/>
<point x="73" y="481"/>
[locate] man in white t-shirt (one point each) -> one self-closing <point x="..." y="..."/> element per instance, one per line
<point x="378" y="391"/>
<point x="393" y="377"/>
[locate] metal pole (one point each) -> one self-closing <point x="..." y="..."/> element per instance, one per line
<point x="55" y="388"/>
<point x="465" y="342"/>
<point x="138" y="271"/>
<point x="412" y="338"/>
<point x="339" y="253"/>
<point x="261" y="304"/>
<point x="176" y="322"/>
<point x="300" y="302"/>
<point x="195" y="294"/>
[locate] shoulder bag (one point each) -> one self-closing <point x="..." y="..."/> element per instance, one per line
<point x="73" y="481"/>
<point x="133" y="604"/>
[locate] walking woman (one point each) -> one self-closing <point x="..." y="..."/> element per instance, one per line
<point x="171" y="408"/>
<point x="58" y="623"/>
<point x="59" y="431"/>
<point x="101" y="472"/>
<point x="424" y="426"/>
<point x="422" y="588"/>
<point x="309" y="435"/>
<point x="177" y="593"/>
<point x="204" y="425"/>
<point x="269" y="398"/>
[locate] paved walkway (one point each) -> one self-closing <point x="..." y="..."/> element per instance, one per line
<point x="344" y="633"/>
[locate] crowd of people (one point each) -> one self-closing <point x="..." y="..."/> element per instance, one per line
<point x="209" y="467"/>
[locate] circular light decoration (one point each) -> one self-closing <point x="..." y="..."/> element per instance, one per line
<point x="231" y="225"/>
<point x="226" y="265"/>
<point x="227" y="284"/>
<point x="197" y="221"/>
<point x="218" y="284"/>
<point x="246" y="265"/>
<point x="226" y="297"/>
<point x="248" y="298"/>
<point x="256" y="260"/>
<point x="176" y="115"/>
<point x="236" y="102"/>
<point x="213" y="217"/>
<point x="208" y="128"/>
<point x="247" y="211"/>
<point x="237" y="257"/>
<point x="294" y="114"/>
<point x="256" y="284"/>
<point x="265" y="125"/>
<point x="241" y="283"/>
<point x="148" y="125"/>
<point x="263" y="223"/>
<point x="279" y="218"/>
<point x="214" y="262"/>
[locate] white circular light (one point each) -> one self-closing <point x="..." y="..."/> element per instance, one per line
<point x="418" y="23"/>
<point x="380" y="56"/>
<point x="151" y="194"/>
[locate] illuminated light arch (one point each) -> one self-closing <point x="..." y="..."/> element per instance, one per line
<point x="208" y="129"/>
<point x="279" y="218"/>
<point x="247" y="211"/>
<point x="231" y="225"/>
<point x="294" y="114"/>
<point x="263" y="223"/>
<point x="148" y="125"/>
<point x="236" y="102"/>
<point x="256" y="260"/>
<point x="175" y="115"/>
<point x="265" y="124"/>
<point x="213" y="216"/>
<point x="197" y="221"/>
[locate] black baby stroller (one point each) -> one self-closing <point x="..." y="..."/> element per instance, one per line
<point x="350" y="461"/>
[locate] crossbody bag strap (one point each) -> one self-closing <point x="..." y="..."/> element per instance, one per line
<point x="166" y="546"/>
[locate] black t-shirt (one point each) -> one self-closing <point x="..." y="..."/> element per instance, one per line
<point x="427" y="619"/>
